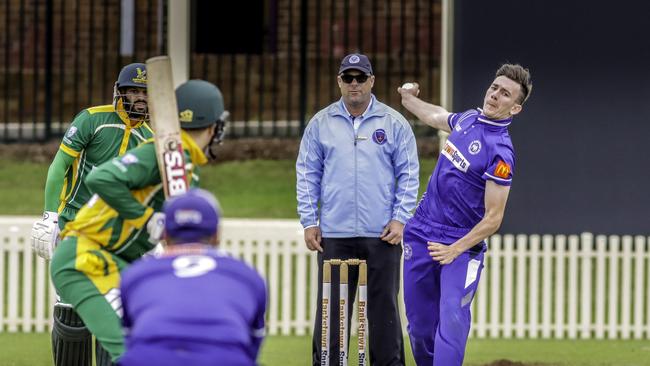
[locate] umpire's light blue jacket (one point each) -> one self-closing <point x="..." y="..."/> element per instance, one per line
<point x="361" y="179"/>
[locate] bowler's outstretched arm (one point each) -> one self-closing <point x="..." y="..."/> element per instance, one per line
<point x="431" y="114"/>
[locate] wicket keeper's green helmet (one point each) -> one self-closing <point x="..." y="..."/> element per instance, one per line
<point x="200" y="104"/>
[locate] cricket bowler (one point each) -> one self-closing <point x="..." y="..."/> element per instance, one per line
<point x="444" y="242"/>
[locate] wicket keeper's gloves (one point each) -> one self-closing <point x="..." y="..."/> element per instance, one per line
<point x="45" y="235"/>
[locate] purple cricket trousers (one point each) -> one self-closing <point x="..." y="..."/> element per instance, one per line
<point x="438" y="297"/>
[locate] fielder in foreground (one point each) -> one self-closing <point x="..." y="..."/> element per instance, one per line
<point x="112" y="229"/>
<point x="96" y="135"/>
<point x="463" y="205"/>
<point x="194" y="304"/>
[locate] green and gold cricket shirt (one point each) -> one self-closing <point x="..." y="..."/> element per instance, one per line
<point x="96" y="135"/>
<point x="128" y="191"/>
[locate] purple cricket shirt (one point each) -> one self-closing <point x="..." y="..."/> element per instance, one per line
<point x="207" y="297"/>
<point x="478" y="149"/>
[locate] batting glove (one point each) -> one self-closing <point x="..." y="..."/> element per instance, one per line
<point x="45" y="235"/>
<point x="156" y="227"/>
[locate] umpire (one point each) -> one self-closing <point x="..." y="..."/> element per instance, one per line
<point x="358" y="161"/>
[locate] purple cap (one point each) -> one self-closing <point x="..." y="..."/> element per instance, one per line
<point x="192" y="216"/>
<point x="356" y="61"/>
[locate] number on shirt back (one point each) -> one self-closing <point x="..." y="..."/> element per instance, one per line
<point x="193" y="265"/>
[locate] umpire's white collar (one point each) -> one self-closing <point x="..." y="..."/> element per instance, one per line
<point x="363" y="115"/>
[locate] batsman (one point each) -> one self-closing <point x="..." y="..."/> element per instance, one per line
<point x="121" y="221"/>
<point x="96" y="135"/>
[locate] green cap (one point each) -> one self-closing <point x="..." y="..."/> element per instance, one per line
<point x="200" y="104"/>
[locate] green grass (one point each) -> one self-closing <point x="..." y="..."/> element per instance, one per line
<point x="22" y="184"/>
<point x="251" y="189"/>
<point x="561" y="352"/>
<point x="34" y="350"/>
<point x="254" y="188"/>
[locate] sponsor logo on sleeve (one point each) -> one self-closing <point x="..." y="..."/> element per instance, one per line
<point x="379" y="136"/>
<point x="455" y="157"/>
<point x="68" y="135"/>
<point x="71" y="131"/>
<point x="129" y="159"/>
<point x="502" y="170"/>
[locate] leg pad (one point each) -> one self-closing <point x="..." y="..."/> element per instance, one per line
<point x="71" y="341"/>
<point x="102" y="357"/>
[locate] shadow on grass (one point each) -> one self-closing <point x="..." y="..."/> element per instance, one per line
<point x="516" y="363"/>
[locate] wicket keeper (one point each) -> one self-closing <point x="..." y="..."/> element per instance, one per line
<point x="194" y="304"/>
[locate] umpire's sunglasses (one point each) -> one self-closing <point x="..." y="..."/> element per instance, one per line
<point x="360" y="78"/>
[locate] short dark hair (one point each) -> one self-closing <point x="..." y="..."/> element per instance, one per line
<point x="521" y="75"/>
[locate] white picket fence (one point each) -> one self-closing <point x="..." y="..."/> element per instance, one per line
<point x="531" y="287"/>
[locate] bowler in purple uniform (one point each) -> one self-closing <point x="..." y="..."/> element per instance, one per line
<point x="193" y="305"/>
<point x="464" y="204"/>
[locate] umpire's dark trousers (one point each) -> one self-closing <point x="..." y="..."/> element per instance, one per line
<point x="384" y="327"/>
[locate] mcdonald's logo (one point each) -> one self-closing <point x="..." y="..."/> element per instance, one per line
<point x="502" y="170"/>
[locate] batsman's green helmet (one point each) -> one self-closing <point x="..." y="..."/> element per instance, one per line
<point x="200" y="104"/>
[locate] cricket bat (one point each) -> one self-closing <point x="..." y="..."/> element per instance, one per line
<point x="166" y="126"/>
